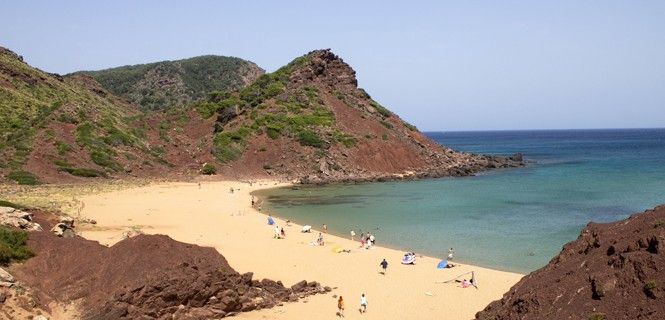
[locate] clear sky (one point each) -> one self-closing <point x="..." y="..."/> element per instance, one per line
<point x="441" y="65"/>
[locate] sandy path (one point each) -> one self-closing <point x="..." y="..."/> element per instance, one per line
<point x="212" y="216"/>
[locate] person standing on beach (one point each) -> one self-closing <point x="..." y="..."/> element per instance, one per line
<point x="363" y="303"/>
<point x="340" y="306"/>
<point x="451" y="253"/>
<point x="325" y="228"/>
<point x="353" y="234"/>
<point x="384" y="266"/>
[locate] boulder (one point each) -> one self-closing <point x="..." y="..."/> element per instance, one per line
<point x="67" y="221"/>
<point x="131" y="233"/>
<point x="6" y="210"/>
<point x="64" y="228"/>
<point x="5" y="276"/>
<point x="18" y="219"/>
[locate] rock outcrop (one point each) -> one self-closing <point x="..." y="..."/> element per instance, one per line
<point x="147" y="277"/>
<point x="612" y="271"/>
<point x="64" y="228"/>
<point x="310" y="122"/>
<point x="6" y="279"/>
<point x="18" y="219"/>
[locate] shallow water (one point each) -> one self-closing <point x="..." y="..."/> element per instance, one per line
<point x="510" y="219"/>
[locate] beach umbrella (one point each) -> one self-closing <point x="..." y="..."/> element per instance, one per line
<point x="442" y="264"/>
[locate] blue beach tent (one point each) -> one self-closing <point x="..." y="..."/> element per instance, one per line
<point x="442" y="264"/>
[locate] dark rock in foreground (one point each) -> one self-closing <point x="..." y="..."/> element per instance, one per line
<point x="148" y="277"/>
<point x="612" y="271"/>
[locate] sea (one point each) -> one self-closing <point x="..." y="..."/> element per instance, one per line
<point x="507" y="219"/>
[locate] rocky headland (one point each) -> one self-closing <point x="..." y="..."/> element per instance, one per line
<point x="612" y="271"/>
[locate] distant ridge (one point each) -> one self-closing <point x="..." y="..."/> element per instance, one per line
<point x="165" y="84"/>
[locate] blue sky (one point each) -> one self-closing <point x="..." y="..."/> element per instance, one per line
<point x="441" y="65"/>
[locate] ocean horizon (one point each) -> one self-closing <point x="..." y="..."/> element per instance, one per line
<point x="507" y="219"/>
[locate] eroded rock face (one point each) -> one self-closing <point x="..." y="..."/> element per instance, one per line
<point x="612" y="271"/>
<point x="19" y="219"/>
<point x="147" y="277"/>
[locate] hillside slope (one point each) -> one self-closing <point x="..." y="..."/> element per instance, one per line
<point x="612" y="271"/>
<point x="310" y="121"/>
<point x="61" y="129"/>
<point x="307" y="121"/>
<point x="165" y="84"/>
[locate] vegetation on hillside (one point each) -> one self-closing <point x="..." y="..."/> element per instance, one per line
<point x="35" y="102"/>
<point x="13" y="245"/>
<point x="274" y="108"/>
<point x="161" y="85"/>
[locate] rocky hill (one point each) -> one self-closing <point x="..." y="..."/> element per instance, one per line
<point x="612" y="271"/>
<point x="142" y="277"/>
<point x="68" y="128"/>
<point x="310" y="121"/>
<point x="165" y="84"/>
<point x="307" y="121"/>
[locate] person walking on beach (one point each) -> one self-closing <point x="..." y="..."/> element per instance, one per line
<point x="363" y="304"/>
<point x="353" y="234"/>
<point x="451" y="253"/>
<point x="340" y="307"/>
<point x="384" y="266"/>
<point x="325" y="228"/>
<point x="319" y="241"/>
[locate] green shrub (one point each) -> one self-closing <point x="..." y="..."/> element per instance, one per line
<point x="4" y="203"/>
<point x="228" y="145"/>
<point x="84" y="172"/>
<point x="659" y="223"/>
<point x="597" y="316"/>
<point x="13" y="245"/>
<point x="61" y="163"/>
<point x="344" y="138"/>
<point x="101" y="158"/>
<point x="387" y="124"/>
<point x="208" y="169"/>
<point x="84" y="136"/>
<point x="380" y="109"/>
<point x="384" y="136"/>
<point x="267" y="166"/>
<point x="273" y="131"/>
<point x="62" y="147"/>
<point x="23" y="177"/>
<point x="650" y="285"/>
<point x="410" y="126"/>
<point x="310" y="138"/>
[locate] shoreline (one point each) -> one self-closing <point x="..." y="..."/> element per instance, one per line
<point x="227" y="222"/>
<point x="338" y="235"/>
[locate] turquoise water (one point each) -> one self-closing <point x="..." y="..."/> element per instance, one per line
<point x="510" y="219"/>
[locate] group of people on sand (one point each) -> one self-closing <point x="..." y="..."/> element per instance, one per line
<point x="367" y="240"/>
<point x="340" y="305"/>
<point x="279" y="232"/>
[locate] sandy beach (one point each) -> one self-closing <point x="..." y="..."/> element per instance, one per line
<point x="208" y="214"/>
